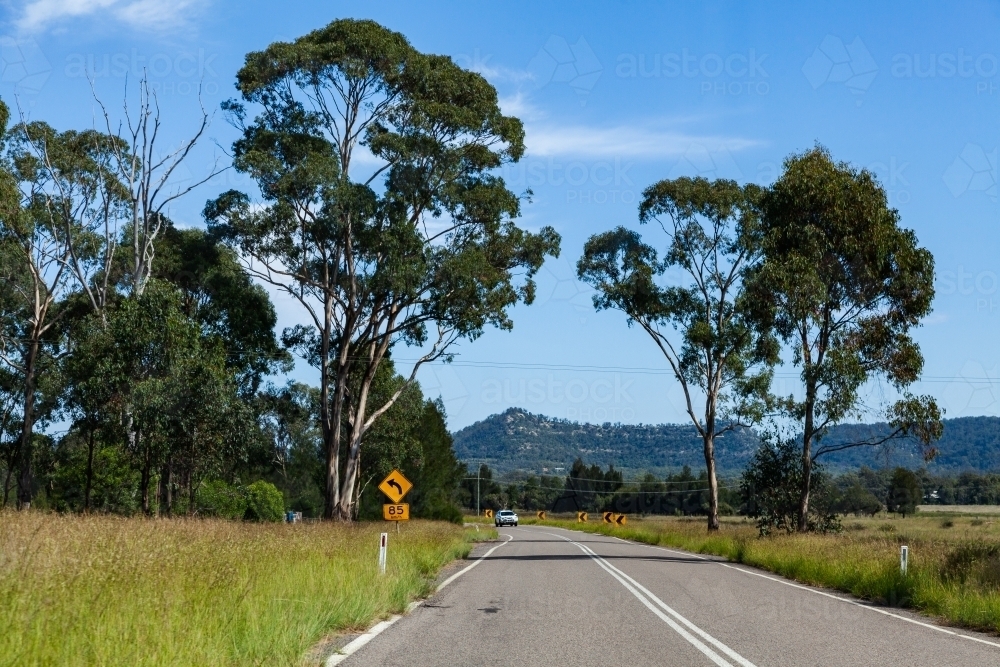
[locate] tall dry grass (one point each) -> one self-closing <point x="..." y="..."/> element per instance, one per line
<point x="953" y="571"/>
<point x="114" y="591"/>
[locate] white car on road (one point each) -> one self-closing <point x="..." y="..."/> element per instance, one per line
<point x="505" y="518"/>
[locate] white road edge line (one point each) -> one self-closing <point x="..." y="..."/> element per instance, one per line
<point x="469" y="567"/>
<point x="635" y="587"/>
<point x="809" y="589"/>
<point x="862" y="606"/>
<point x="348" y="649"/>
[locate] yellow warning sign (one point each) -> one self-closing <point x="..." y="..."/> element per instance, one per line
<point x="581" y="517"/>
<point x="395" y="486"/>
<point x="488" y="514"/>
<point x="609" y="517"/>
<point x="396" y="512"/>
<point x="620" y="519"/>
<point x="541" y="515"/>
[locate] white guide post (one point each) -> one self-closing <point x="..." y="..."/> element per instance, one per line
<point x="383" y="541"/>
<point x="904" y="556"/>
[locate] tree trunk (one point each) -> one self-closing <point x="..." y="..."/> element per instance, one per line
<point x="191" y="493"/>
<point x="144" y="480"/>
<point x="24" y="476"/>
<point x="713" y="482"/>
<point x="345" y="511"/>
<point x="166" y="497"/>
<point x="807" y="437"/>
<point x="330" y="423"/>
<point x="89" y="484"/>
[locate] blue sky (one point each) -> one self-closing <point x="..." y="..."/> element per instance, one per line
<point x="614" y="96"/>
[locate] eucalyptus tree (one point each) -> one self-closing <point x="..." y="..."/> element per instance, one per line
<point x="843" y="284"/>
<point x="381" y="212"/>
<point x="701" y="326"/>
<point x="10" y="405"/>
<point x="36" y="234"/>
<point x="76" y="179"/>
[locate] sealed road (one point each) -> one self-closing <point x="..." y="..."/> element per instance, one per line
<point x="559" y="597"/>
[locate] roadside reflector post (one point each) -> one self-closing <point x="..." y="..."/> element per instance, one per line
<point x="383" y="541"/>
<point x="904" y="556"/>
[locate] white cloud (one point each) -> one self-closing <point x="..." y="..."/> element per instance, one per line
<point x="657" y="139"/>
<point x="548" y="140"/>
<point x="142" y="14"/>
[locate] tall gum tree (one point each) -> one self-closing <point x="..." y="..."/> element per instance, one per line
<point x="36" y="232"/>
<point x="701" y="327"/>
<point x="381" y="212"/>
<point x="843" y="284"/>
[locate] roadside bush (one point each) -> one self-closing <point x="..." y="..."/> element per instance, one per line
<point x="218" y="498"/>
<point x="260" y="501"/>
<point x="976" y="562"/>
<point x="264" y="502"/>
<point x="770" y="488"/>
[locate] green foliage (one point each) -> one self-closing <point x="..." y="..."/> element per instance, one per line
<point x="218" y="498"/>
<point x="843" y="284"/>
<point x="712" y="240"/>
<point x="328" y="233"/>
<point x="858" y="500"/>
<point x="436" y="472"/>
<point x="905" y="492"/>
<point x="770" y="489"/>
<point x="264" y="502"/>
<point x="258" y="501"/>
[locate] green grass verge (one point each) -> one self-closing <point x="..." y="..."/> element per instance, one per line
<point x="953" y="573"/>
<point x="113" y="591"/>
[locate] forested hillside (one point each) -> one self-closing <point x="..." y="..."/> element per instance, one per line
<point x="519" y="440"/>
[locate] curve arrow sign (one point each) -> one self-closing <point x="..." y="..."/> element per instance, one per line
<point x="395" y="486"/>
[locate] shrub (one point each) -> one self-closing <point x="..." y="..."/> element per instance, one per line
<point x="217" y="498"/>
<point x="904" y="492"/>
<point x="977" y="562"/>
<point x="264" y="502"/>
<point x="260" y="501"/>
<point x="771" y="487"/>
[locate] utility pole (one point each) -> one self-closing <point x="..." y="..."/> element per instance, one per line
<point x="478" y="470"/>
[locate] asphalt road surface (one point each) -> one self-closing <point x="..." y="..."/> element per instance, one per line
<point x="558" y="597"/>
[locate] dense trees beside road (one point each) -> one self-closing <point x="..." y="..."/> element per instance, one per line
<point x="155" y="345"/>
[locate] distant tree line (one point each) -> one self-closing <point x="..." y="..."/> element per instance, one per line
<point x="762" y="492"/>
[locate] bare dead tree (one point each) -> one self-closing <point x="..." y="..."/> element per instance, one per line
<point x="147" y="174"/>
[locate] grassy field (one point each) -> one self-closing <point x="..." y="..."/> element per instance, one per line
<point x="113" y="591"/>
<point x="954" y="565"/>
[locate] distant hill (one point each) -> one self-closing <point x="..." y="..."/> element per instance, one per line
<point x="518" y="440"/>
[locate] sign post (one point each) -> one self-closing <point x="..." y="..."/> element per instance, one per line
<point x="383" y="543"/>
<point x="395" y="487"/>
